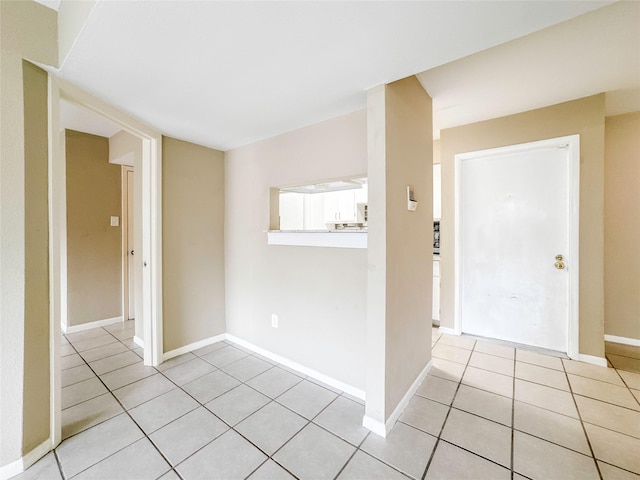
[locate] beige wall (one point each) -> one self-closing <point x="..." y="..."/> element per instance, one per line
<point x="36" y="295"/>
<point x="622" y="226"/>
<point x="584" y="117"/>
<point x="27" y="30"/>
<point x="399" y="255"/>
<point x="94" y="248"/>
<point x="192" y="243"/>
<point x="318" y="293"/>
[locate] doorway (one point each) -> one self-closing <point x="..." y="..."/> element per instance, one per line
<point x="149" y="271"/>
<point x="517" y="243"/>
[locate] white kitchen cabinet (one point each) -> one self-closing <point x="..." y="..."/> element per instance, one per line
<point x="340" y="206"/>
<point x="436" y="290"/>
<point x="437" y="191"/>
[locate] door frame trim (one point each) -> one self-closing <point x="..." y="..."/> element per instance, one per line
<point x="572" y="144"/>
<point x="151" y="219"/>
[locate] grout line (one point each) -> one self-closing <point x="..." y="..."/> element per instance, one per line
<point x="446" y="418"/>
<point x="55" y="455"/>
<point x="584" y="430"/>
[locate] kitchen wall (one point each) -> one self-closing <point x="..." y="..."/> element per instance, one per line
<point x="193" y="208"/>
<point x="622" y="226"/>
<point x="585" y="117"/>
<point x="27" y="30"/>
<point x="318" y="293"/>
<point x="94" y="247"/>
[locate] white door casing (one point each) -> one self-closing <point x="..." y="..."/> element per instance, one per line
<point x="516" y="209"/>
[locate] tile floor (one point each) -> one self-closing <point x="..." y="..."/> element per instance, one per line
<point x="485" y="411"/>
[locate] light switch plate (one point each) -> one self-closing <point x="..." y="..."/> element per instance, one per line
<point x="115" y="221"/>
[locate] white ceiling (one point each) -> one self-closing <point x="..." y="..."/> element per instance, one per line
<point x="595" y="53"/>
<point x="224" y="74"/>
<point x="75" y="117"/>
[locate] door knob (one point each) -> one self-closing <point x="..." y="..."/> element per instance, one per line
<point x="559" y="262"/>
<point x="131" y="252"/>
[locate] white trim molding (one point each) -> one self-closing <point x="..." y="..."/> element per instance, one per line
<point x="89" y="325"/>
<point x="449" y="331"/>
<point x="193" y="346"/>
<point x="383" y="430"/>
<point x="593" y="360"/>
<point x="353" y="391"/>
<point x="336" y="239"/>
<point x="20" y="465"/>
<point x="634" y="342"/>
<point x="138" y="341"/>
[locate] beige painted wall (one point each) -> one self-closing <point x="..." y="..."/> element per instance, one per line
<point x="193" y="202"/>
<point x="94" y="248"/>
<point x="27" y="30"/>
<point x="584" y="117"/>
<point x="622" y="226"/>
<point x="318" y="293"/>
<point x="400" y="254"/>
<point x="36" y="295"/>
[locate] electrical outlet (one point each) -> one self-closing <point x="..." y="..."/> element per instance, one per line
<point x="274" y="320"/>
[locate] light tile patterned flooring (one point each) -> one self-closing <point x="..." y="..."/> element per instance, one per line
<point x="485" y="411"/>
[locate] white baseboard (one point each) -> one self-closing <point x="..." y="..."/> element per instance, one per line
<point x="450" y="331"/>
<point x="138" y="341"/>
<point x="634" y="342"/>
<point x="593" y="360"/>
<point x="20" y="465"/>
<point x="87" y="326"/>
<point x="356" y="392"/>
<point x="193" y="346"/>
<point x="383" y="429"/>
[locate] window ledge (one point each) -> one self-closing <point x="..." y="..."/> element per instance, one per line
<point x="330" y="238"/>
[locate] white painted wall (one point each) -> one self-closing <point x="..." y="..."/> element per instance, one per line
<point x="318" y="293"/>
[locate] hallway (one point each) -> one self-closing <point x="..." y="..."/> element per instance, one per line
<point x="484" y="411"/>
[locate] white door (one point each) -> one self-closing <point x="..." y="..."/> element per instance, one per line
<point x="516" y="215"/>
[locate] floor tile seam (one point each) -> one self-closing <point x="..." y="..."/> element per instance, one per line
<point x="612" y="430"/>
<point x="446" y="418"/>
<point x="251" y="378"/>
<point x="67" y="335"/>
<point x="110" y="343"/>
<point x="448" y="359"/>
<point x="483" y="389"/>
<point x="584" y="429"/>
<point x="575" y="394"/>
<point x="85" y="400"/>
<point x="55" y="455"/>
<point x="491" y="371"/>
<point x="109" y="456"/>
<point x="627" y="386"/>
<point x="433" y="400"/>
<point x="519" y="430"/>
<point x="474" y="453"/>
<point x="617" y="466"/>
<point x="543" y="385"/>
<point x="126" y="411"/>
<point x="481" y="416"/>
<point x="541" y="366"/>
<point x="598" y="380"/>
<point x="458" y="346"/>
<point x="139" y="360"/>
<point x="353" y="454"/>
<point x="132" y="382"/>
<point x="405" y="474"/>
<point x="106" y="356"/>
